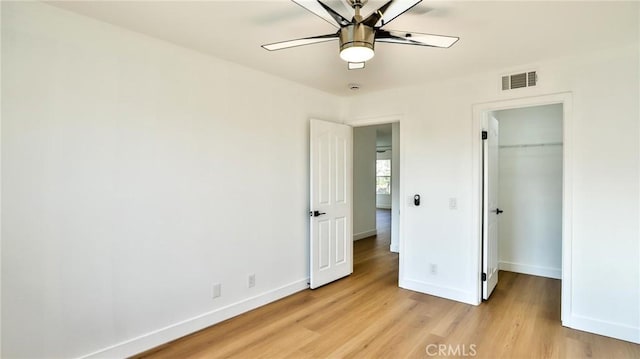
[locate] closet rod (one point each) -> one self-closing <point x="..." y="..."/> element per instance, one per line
<point x="533" y="145"/>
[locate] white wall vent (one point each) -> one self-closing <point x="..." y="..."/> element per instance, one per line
<point x="525" y="79"/>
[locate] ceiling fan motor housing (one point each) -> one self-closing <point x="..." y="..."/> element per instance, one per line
<point x="357" y="35"/>
<point x="359" y="3"/>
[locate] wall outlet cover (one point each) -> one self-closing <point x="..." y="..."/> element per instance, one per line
<point x="217" y="290"/>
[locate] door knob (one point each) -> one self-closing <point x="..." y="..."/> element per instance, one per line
<point x="317" y="213"/>
<point x="498" y="211"/>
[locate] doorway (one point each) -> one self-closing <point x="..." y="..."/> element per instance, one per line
<point x="481" y="113"/>
<point x="334" y="191"/>
<point x="376" y="182"/>
<point x="522" y="185"/>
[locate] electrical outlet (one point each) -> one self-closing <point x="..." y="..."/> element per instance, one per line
<point x="252" y="280"/>
<point x="217" y="290"/>
<point x="453" y="203"/>
<point x="433" y="268"/>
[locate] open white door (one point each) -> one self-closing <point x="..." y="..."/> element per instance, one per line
<point x="491" y="210"/>
<point x="331" y="246"/>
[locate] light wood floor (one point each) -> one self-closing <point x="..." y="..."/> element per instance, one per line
<point x="366" y="315"/>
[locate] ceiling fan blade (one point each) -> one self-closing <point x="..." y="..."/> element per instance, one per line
<point x="300" y="42"/>
<point x="389" y="11"/>
<point x="375" y="16"/>
<point x="325" y="12"/>
<point x="415" y="38"/>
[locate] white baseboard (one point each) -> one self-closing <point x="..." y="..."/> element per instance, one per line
<point x="601" y="327"/>
<point x="548" y="272"/>
<point x="188" y="326"/>
<point x="439" y="291"/>
<point x="394" y="247"/>
<point x="365" y="234"/>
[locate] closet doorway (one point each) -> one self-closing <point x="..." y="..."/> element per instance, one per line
<point x="508" y="257"/>
<point x="523" y="193"/>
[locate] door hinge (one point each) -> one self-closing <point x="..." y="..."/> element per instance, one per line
<point x="485" y="135"/>
<point x="484" y="277"/>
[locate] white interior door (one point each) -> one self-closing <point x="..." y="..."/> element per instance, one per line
<point x="491" y="210"/>
<point x="331" y="245"/>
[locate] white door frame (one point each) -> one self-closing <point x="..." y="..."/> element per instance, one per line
<point x="480" y="112"/>
<point x="382" y="120"/>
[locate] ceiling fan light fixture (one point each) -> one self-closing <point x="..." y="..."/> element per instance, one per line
<point x="356" y="43"/>
<point x="356" y="54"/>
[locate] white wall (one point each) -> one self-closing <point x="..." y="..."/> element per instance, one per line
<point x="135" y="174"/>
<point x="364" y="182"/>
<point x="384" y="200"/>
<point x="438" y="164"/>
<point x="530" y="190"/>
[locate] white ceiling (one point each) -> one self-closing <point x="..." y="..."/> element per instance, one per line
<point x="493" y="36"/>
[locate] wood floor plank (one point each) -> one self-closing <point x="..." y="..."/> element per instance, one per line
<point x="367" y="315"/>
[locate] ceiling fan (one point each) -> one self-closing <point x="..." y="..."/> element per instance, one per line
<point x="358" y="35"/>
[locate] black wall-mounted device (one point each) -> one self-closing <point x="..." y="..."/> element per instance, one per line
<point x="416" y="200"/>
